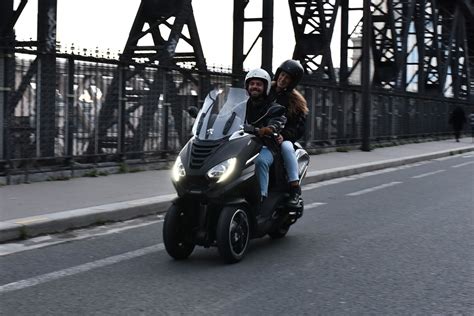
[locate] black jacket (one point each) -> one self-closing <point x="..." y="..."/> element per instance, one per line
<point x="295" y="125"/>
<point x="256" y="116"/>
<point x="458" y="118"/>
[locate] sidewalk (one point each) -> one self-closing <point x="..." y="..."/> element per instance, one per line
<point x="28" y="210"/>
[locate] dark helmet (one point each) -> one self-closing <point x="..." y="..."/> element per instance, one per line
<point x="294" y="69"/>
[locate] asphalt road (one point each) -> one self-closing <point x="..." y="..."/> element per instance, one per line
<point x="393" y="242"/>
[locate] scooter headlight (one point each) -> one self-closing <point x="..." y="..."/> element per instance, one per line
<point x="178" y="170"/>
<point x="223" y="170"/>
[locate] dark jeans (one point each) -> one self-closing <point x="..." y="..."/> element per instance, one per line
<point x="457" y="134"/>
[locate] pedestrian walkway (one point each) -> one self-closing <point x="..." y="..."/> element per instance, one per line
<point x="28" y="210"/>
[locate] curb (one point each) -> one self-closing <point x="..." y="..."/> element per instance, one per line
<point x="328" y="174"/>
<point x="28" y="227"/>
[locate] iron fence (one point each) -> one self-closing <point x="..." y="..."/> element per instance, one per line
<point x="101" y="110"/>
<point x="335" y="117"/>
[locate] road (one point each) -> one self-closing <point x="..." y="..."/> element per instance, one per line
<point x="393" y="242"/>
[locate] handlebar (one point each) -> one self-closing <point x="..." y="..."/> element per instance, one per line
<point x="250" y="129"/>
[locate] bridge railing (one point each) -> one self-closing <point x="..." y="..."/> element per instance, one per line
<point x="335" y="117"/>
<point x="106" y="111"/>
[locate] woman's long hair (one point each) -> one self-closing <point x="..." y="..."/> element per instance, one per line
<point x="297" y="104"/>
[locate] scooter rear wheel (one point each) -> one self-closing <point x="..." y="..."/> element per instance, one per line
<point x="233" y="233"/>
<point x="175" y="233"/>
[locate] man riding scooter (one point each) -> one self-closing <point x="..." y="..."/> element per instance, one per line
<point x="257" y="83"/>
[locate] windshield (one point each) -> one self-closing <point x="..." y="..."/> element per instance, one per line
<point x="222" y="114"/>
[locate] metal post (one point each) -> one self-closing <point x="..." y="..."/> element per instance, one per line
<point x="344" y="38"/>
<point x="166" y="111"/>
<point x="69" y="132"/>
<point x="121" y="111"/>
<point x="365" y="76"/>
<point x="420" y="35"/>
<point x="7" y="66"/>
<point x="238" y="41"/>
<point x="46" y="77"/>
<point x="267" y="35"/>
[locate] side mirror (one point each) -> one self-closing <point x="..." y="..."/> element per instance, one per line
<point x="193" y="111"/>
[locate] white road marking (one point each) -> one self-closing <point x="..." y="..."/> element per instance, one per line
<point x="379" y="187"/>
<point x="463" y="164"/>
<point x="313" y="205"/>
<point x="312" y="186"/>
<point x="446" y="158"/>
<point x="316" y="185"/>
<point x="428" y="174"/>
<point x="79" y="234"/>
<point x="40" y="279"/>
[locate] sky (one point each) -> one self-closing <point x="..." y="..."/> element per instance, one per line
<point x="105" y="24"/>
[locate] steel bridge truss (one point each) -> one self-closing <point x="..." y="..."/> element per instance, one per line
<point x="423" y="46"/>
<point x="420" y="46"/>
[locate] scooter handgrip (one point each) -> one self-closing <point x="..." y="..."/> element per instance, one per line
<point x="250" y="129"/>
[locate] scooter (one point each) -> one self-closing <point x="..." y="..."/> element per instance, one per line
<point x="218" y="195"/>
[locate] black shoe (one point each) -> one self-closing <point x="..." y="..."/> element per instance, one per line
<point x="294" y="199"/>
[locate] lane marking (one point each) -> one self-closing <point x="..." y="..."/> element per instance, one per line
<point x="79" y="234"/>
<point x="312" y="186"/>
<point x="428" y="174"/>
<point x="314" y="205"/>
<point x="316" y="185"/>
<point x="379" y="187"/>
<point x="40" y="279"/>
<point x="463" y="164"/>
<point x="445" y="158"/>
<point x="31" y="220"/>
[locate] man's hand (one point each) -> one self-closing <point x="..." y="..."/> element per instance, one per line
<point x="265" y="131"/>
<point x="249" y="129"/>
<point x="279" y="139"/>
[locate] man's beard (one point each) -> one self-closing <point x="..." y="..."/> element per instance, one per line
<point x="255" y="96"/>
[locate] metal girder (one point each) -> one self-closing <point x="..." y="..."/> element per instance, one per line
<point x="455" y="73"/>
<point x="10" y="16"/>
<point x="313" y="24"/>
<point x="46" y="77"/>
<point x="265" y="34"/>
<point x="384" y="44"/>
<point x="44" y="67"/>
<point x="7" y="66"/>
<point x="156" y="14"/>
<point x="417" y="45"/>
<point x="429" y="54"/>
<point x="152" y="18"/>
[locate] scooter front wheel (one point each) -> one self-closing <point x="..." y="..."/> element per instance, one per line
<point x="176" y="234"/>
<point x="233" y="233"/>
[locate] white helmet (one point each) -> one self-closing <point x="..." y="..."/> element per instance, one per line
<point x="259" y="73"/>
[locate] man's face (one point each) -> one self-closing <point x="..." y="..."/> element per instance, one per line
<point x="256" y="87"/>
<point x="283" y="80"/>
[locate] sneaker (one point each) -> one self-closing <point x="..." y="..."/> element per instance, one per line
<point x="294" y="199"/>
